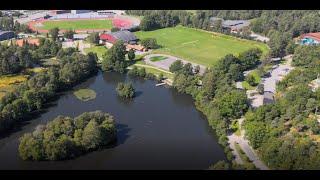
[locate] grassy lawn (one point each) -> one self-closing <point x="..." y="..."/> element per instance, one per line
<point x="36" y="69"/>
<point x="99" y="50"/>
<point x="7" y="83"/>
<point x="257" y="78"/>
<point x="77" y="24"/>
<point x="85" y="94"/>
<point x="198" y="46"/>
<point x="158" y="58"/>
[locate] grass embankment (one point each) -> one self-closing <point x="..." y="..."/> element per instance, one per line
<point x="257" y="78"/>
<point x="198" y="46"/>
<point x="151" y="69"/>
<point x="7" y="83"/>
<point x="77" y="24"/>
<point x="99" y="50"/>
<point x="85" y="94"/>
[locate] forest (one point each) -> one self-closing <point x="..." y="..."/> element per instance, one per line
<point x="29" y="97"/>
<point x="286" y="133"/>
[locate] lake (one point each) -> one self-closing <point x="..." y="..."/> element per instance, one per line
<point x="159" y="129"/>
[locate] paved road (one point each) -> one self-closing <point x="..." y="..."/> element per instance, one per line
<point x="244" y="144"/>
<point x="165" y="64"/>
<point x="277" y="74"/>
<point x="259" y="37"/>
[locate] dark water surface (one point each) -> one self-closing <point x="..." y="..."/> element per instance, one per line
<point x="159" y="129"/>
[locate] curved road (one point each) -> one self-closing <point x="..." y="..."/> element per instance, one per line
<point x="165" y="64"/>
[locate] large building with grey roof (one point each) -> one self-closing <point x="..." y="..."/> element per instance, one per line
<point x="125" y="36"/>
<point x="5" y="35"/>
<point x="232" y="25"/>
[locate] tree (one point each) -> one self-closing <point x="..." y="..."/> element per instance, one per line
<point x="150" y="43"/>
<point x="217" y="26"/>
<point x="291" y="47"/>
<point x="115" y="29"/>
<point x="142" y="72"/>
<point x="251" y="80"/>
<point x="249" y="59"/>
<point x="160" y="77"/>
<point x="131" y="55"/>
<point x="220" y="165"/>
<point x="278" y="43"/>
<point x="125" y="90"/>
<point x="94" y="38"/>
<point x="260" y="89"/>
<point x="54" y="33"/>
<point x="65" y="137"/>
<point x="187" y="69"/>
<point x="91" y="137"/>
<point x="176" y="66"/>
<point x="232" y="104"/>
<point x="69" y="34"/>
<point x="115" y="58"/>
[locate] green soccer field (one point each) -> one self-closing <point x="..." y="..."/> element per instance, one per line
<point x="77" y="24"/>
<point x="198" y="46"/>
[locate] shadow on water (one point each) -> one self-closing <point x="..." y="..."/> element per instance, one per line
<point x="113" y="78"/>
<point x="181" y="99"/>
<point x="122" y="133"/>
<point x="138" y="93"/>
<point x="125" y="102"/>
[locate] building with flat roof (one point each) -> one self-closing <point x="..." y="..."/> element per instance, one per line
<point x="80" y="11"/>
<point x="80" y="36"/>
<point x="5" y="35"/>
<point x="233" y="25"/>
<point x="310" y="39"/>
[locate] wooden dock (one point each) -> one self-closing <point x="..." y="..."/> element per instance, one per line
<point x="164" y="82"/>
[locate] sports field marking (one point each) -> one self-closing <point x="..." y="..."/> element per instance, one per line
<point x="190" y="42"/>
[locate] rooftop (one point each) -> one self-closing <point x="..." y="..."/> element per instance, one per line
<point x="315" y="36"/>
<point x="125" y="35"/>
<point x="237" y="24"/>
<point x="3" y="32"/>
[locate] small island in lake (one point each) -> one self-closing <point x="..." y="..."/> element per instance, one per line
<point x="67" y="138"/>
<point x="85" y="94"/>
<point x="125" y="90"/>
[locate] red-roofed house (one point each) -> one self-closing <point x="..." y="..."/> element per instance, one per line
<point x="108" y="37"/>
